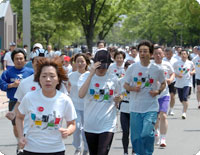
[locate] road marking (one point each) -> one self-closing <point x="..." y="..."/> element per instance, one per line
<point x="198" y="153"/>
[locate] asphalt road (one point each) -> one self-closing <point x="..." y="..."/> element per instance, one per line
<point x="183" y="137"/>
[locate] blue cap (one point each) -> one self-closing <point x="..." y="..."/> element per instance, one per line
<point x="198" y="48"/>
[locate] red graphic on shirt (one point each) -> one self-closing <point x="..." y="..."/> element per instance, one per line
<point x="140" y="73"/>
<point x="115" y="70"/>
<point x="40" y="109"/>
<point x="33" y="88"/>
<point x="151" y="81"/>
<point x="97" y="85"/>
<point x="111" y="92"/>
<point x="57" y="121"/>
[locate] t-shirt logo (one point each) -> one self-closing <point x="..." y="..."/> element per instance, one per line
<point x="101" y="94"/>
<point x="41" y="121"/>
<point x="118" y="73"/>
<point x="33" y="88"/>
<point x="183" y="70"/>
<point x="198" y="63"/>
<point x="142" y="81"/>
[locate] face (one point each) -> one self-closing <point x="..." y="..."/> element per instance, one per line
<point x="48" y="79"/>
<point x="184" y="55"/>
<point x="168" y="54"/>
<point x="49" y="48"/>
<point x="101" y="45"/>
<point x="81" y="63"/>
<point x="12" y="48"/>
<point x="133" y="53"/>
<point x="144" y="53"/>
<point x="119" y="59"/>
<point x="101" y="72"/>
<point x="158" y="55"/>
<point x="19" y="60"/>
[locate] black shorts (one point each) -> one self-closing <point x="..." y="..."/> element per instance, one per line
<point x="172" y="89"/>
<point x="197" y="82"/>
<point x="11" y="107"/>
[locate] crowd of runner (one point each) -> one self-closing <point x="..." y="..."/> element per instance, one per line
<point x="88" y="89"/>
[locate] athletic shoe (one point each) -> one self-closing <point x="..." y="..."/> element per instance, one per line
<point x="163" y="142"/>
<point x="184" y="115"/>
<point x="77" y="152"/>
<point x="171" y="113"/>
<point x="85" y="152"/>
<point x="20" y="152"/>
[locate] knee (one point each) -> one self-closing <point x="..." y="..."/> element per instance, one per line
<point x="163" y="116"/>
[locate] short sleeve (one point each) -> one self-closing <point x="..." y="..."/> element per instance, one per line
<point x="19" y="94"/>
<point x="70" y="113"/>
<point x="128" y="74"/>
<point x="23" y="107"/>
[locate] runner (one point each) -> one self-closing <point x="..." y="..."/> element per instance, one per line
<point x="100" y="91"/>
<point x="46" y="108"/>
<point x="141" y="81"/>
<point x="82" y="62"/>
<point x="163" y="99"/>
<point x="184" y="69"/>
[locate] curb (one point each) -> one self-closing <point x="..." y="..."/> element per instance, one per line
<point x="3" y="112"/>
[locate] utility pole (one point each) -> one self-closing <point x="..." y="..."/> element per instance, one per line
<point x="26" y="25"/>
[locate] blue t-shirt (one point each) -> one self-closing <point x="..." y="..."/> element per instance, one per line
<point x="9" y="76"/>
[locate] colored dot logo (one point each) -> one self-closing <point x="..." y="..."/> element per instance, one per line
<point x="97" y="85"/>
<point x="40" y="109"/>
<point x="33" y="88"/>
<point x="140" y="73"/>
<point x="115" y="70"/>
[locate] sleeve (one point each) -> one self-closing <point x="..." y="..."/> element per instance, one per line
<point x="161" y="75"/>
<point x="23" y="107"/>
<point x="70" y="112"/>
<point x="5" y="57"/>
<point x="171" y="69"/>
<point x="4" y="81"/>
<point x="82" y="79"/>
<point x="128" y="75"/>
<point x="19" y="94"/>
<point x="63" y="89"/>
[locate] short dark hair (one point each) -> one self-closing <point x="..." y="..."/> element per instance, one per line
<point x="146" y="43"/>
<point x="168" y="49"/>
<point x="184" y="50"/>
<point x="101" y="41"/>
<point x="56" y="62"/>
<point x="25" y="46"/>
<point x="16" y="51"/>
<point x="133" y="47"/>
<point x="118" y="53"/>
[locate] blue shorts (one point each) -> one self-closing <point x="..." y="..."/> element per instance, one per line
<point x="183" y="93"/>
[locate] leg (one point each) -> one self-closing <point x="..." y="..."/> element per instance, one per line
<point x="198" y="92"/>
<point x="136" y="123"/>
<point x="125" y="124"/>
<point x="83" y="133"/>
<point x="186" y="91"/>
<point x="105" y="141"/>
<point x="77" y="134"/>
<point x="147" y="135"/>
<point x="92" y="141"/>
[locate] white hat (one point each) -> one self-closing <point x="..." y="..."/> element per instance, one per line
<point x="37" y="45"/>
<point x="12" y="44"/>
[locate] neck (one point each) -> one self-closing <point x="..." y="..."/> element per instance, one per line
<point x="158" y="61"/>
<point x="145" y="63"/>
<point x="119" y="64"/>
<point x="81" y="71"/>
<point x="184" y="60"/>
<point x="49" y="94"/>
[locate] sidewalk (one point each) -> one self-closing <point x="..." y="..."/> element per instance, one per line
<point x="3" y="104"/>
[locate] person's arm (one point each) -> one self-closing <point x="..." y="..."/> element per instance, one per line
<point x="71" y="127"/>
<point x="4" y="65"/>
<point x="84" y="88"/>
<point x="131" y="88"/>
<point x="153" y="93"/>
<point x="171" y="78"/>
<point x="20" y="126"/>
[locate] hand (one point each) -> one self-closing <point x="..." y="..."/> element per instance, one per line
<point x="117" y="98"/>
<point x="64" y="132"/>
<point x="10" y="115"/>
<point x="22" y="142"/>
<point x="94" y="67"/>
<point x="16" y="83"/>
<point x="153" y="93"/>
<point x="136" y="89"/>
<point x="179" y="75"/>
<point x="169" y="81"/>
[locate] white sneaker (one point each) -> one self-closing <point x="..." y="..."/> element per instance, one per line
<point x="171" y="113"/>
<point x="77" y="152"/>
<point x="184" y="115"/>
<point x="157" y="138"/>
<point x="163" y="142"/>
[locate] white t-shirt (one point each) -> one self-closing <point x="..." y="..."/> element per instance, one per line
<point x="134" y="60"/>
<point x="196" y="62"/>
<point x="8" y="59"/>
<point x="147" y="78"/>
<point x="171" y="61"/>
<point x="99" y="107"/>
<point x="77" y="101"/>
<point x="125" y="106"/>
<point x="183" y="68"/>
<point x="119" y="71"/>
<point x="28" y="85"/>
<point x="45" y="118"/>
<point x="168" y="70"/>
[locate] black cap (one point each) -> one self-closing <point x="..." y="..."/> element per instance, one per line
<point x="104" y="57"/>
